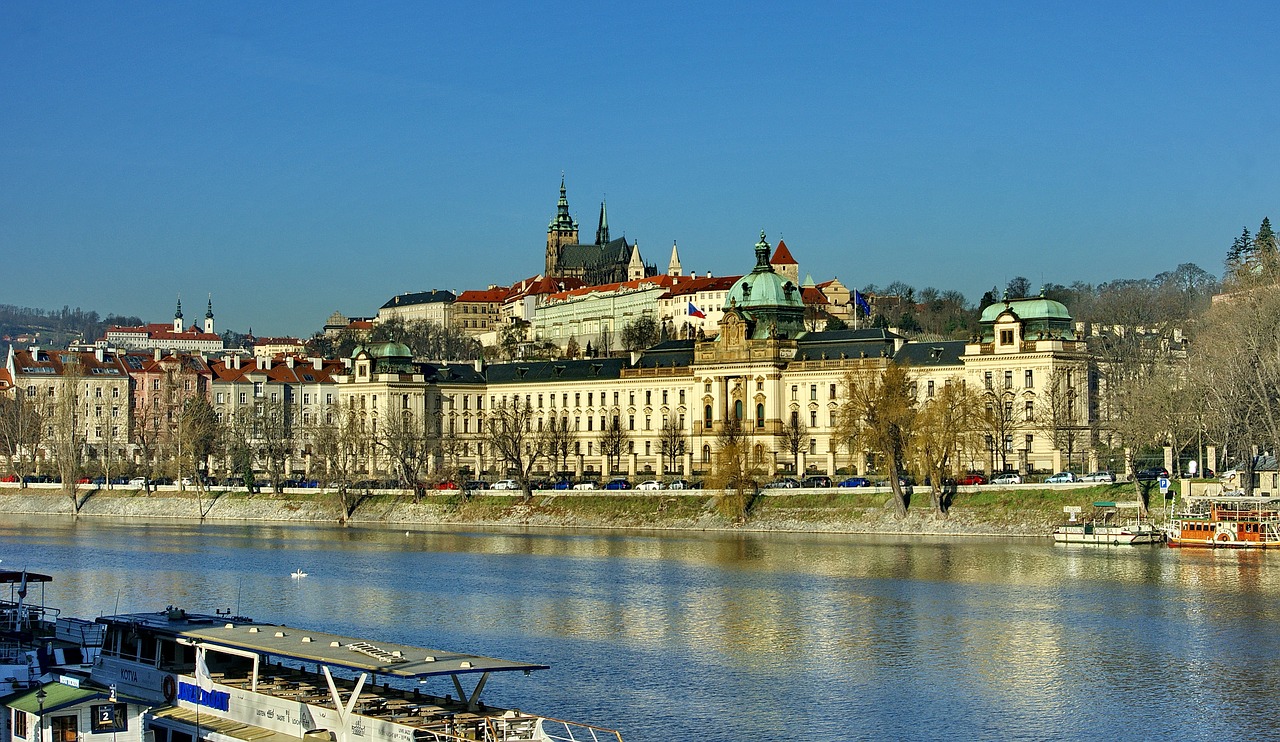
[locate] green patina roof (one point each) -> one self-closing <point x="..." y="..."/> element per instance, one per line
<point x="763" y="287"/>
<point x="385" y="349"/>
<point x="1032" y="308"/>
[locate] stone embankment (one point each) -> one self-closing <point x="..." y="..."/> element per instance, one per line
<point x="975" y="512"/>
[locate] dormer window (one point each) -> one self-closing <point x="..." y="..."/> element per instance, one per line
<point x="1006" y="337"/>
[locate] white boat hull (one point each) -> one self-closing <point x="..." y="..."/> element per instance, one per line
<point x="1107" y="535"/>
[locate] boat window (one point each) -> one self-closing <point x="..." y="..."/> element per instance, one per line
<point x="147" y="647"/>
<point x="159" y="733"/>
<point x="129" y="644"/>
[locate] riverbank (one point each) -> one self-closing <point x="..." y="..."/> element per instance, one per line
<point x="976" y="511"/>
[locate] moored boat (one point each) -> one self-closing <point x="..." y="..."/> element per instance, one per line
<point x="1106" y="528"/>
<point x="229" y="678"/>
<point x="1226" y="521"/>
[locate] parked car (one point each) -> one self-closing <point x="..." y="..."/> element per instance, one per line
<point x="783" y="483"/>
<point x="585" y="486"/>
<point x="854" y="482"/>
<point x="618" y="484"/>
<point x="445" y="485"/>
<point x="1099" y="476"/>
<point x="1007" y="479"/>
<point x="680" y="484"/>
<point x="971" y="479"/>
<point x="562" y="484"/>
<point x="138" y="482"/>
<point x="651" y="484"/>
<point x="477" y="484"/>
<point x="1062" y="477"/>
<point x="1151" y="474"/>
<point x="817" y="480"/>
<point x="505" y="484"/>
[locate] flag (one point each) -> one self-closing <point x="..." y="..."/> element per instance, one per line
<point x="204" y="680"/>
<point x="22" y="589"/>
<point x="695" y="312"/>
<point x="860" y="302"/>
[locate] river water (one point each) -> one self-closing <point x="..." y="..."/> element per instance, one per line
<point x="733" y="637"/>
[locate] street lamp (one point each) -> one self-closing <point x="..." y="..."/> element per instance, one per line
<point x="40" y="696"/>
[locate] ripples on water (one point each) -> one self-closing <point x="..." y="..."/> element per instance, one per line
<point x="744" y="637"/>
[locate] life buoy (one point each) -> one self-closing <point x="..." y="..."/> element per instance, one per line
<point x="170" y="688"/>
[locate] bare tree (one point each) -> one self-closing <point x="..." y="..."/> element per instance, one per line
<point x="613" y="440"/>
<point x="560" y="439"/>
<point x="735" y="470"/>
<point x="672" y="444"/>
<point x="509" y="430"/>
<point x="795" y="436"/>
<point x="340" y="444"/>
<point x="1237" y="354"/>
<point x="879" y="414"/>
<point x="273" y="435"/>
<point x="407" y="442"/>
<point x="1060" y="411"/>
<point x="1001" y="424"/>
<point x="21" y="424"/>
<point x="946" y="427"/>
<point x="198" y="439"/>
<point x="67" y="441"/>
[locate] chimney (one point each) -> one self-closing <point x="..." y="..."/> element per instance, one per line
<point x="317" y="363"/>
<point x="479" y="364"/>
<point x="156" y="354"/>
<point x="635" y="357"/>
<point x="100" y="354"/>
<point x="235" y="361"/>
<point x="288" y="361"/>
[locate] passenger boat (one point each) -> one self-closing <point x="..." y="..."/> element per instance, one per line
<point x="225" y="678"/>
<point x="1106" y="529"/>
<point x="1226" y="521"/>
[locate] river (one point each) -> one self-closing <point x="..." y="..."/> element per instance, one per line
<point x="732" y="637"/>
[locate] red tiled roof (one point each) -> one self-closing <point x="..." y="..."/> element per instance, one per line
<point x="811" y="295"/>
<point x="485" y="295"/>
<point x="685" y="288"/>
<point x="782" y="256"/>
<point x="659" y="281"/>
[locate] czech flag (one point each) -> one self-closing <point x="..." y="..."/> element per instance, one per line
<point x="695" y="312"/>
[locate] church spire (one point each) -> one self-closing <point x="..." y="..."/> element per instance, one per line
<point x="177" y="316"/>
<point x="673" y="266"/>
<point x="208" y="317"/>
<point x="602" y="231"/>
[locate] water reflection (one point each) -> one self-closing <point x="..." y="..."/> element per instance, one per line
<point x="743" y="636"/>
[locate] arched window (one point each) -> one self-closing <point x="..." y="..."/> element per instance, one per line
<point x="760" y="415"/>
<point x="706" y="454"/>
<point x="737" y="409"/>
<point x="706" y="416"/>
<point x="759" y="453"/>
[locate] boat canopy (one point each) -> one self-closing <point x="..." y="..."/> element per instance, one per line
<point x="304" y="645"/>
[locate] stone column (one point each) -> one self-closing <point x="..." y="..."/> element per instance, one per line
<point x="802" y="461"/>
<point x="831" y="463"/>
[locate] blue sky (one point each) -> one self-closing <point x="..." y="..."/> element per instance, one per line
<point x="294" y="159"/>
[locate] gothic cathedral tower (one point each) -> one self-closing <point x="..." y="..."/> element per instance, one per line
<point x="562" y="230"/>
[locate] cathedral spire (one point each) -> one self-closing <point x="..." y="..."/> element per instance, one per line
<point x="602" y="231"/>
<point x="673" y="266"/>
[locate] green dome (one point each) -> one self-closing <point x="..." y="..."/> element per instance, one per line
<point x="763" y="287"/>
<point x="1041" y="319"/>
<point x="388" y="349"/>
<point x="1031" y="308"/>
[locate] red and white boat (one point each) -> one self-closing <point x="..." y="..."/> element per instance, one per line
<point x="1226" y="521"/>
